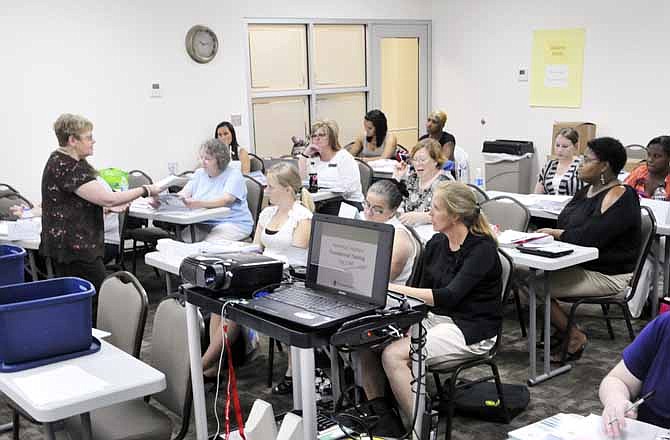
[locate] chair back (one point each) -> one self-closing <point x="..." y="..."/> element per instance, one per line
<point x="122" y="311"/>
<point x="413" y="280"/>
<point x="348" y="146"/>
<point x="480" y="195"/>
<point x="256" y="163"/>
<point x="507" y="213"/>
<point x="506" y="275"/>
<point x="169" y="354"/>
<point x="137" y="178"/>
<point x="4" y="187"/>
<point x="647" y="232"/>
<point x="365" y="171"/>
<point x="636" y="152"/>
<point x="178" y="187"/>
<point x="254" y="198"/>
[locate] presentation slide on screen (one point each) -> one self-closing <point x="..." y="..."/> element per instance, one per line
<point x="346" y="264"/>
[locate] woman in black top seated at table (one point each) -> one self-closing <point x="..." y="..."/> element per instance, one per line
<point x="461" y="279"/>
<point x="605" y="214"/>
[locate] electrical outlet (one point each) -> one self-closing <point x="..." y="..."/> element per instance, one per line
<point x="156" y="91"/>
<point x="236" y="119"/>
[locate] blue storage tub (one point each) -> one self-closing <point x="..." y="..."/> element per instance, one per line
<point x="11" y="264"/>
<point x="44" y="319"/>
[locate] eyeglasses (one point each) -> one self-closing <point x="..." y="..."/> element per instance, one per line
<point x="377" y="210"/>
<point x="319" y="135"/>
<point x="434" y="121"/>
<point x="421" y="160"/>
<point x="586" y="160"/>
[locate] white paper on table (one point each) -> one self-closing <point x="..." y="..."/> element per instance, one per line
<point x="511" y="238"/>
<point x="56" y="385"/>
<point x="591" y="429"/>
<point x="100" y="334"/>
<point x="4" y="228"/>
<point x="24" y="229"/>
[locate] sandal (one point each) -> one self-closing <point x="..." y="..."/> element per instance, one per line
<point x="284" y="387"/>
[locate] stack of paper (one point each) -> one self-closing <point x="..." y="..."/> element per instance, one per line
<point x="383" y="165"/>
<point x="171" y="202"/>
<point x="180" y="249"/>
<point x="25" y="229"/>
<point x="510" y="238"/>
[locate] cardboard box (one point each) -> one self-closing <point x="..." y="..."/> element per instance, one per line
<point x="586" y="130"/>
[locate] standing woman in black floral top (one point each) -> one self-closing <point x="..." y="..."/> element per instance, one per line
<point x="72" y="204"/>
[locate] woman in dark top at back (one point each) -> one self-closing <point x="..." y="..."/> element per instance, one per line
<point x="461" y="279"/>
<point x="605" y="214"/>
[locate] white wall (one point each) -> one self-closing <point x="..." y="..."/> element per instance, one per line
<point x="98" y="59"/>
<point x="479" y="45"/>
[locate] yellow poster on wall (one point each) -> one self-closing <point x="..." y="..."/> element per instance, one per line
<point x="557" y="68"/>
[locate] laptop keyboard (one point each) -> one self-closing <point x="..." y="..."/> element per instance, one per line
<point x="306" y="299"/>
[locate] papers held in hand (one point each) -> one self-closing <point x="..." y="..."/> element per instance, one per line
<point x="171" y="202"/>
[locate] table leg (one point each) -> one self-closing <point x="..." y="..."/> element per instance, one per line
<point x="33" y="266"/>
<point x="49" y="433"/>
<point x="548" y="372"/>
<point x="296" y="373"/>
<point x="308" y="395"/>
<point x="168" y="283"/>
<point x="50" y="268"/>
<point x="532" y="327"/>
<point x="419" y="386"/>
<point x="192" y="229"/>
<point x="197" y="384"/>
<point x="87" y="432"/>
<point x="335" y="373"/>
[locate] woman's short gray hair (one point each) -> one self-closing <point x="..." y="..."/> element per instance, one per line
<point x="218" y="150"/>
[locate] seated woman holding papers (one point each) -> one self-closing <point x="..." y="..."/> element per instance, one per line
<point x="335" y="167"/>
<point x="605" y="214"/>
<point x="461" y="279"/>
<point x="643" y="369"/>
<point x="284" y="228"/>
<point x="239" y="157"/>
<point x="560" y="175"/>
<point x="216" y="185"/>
<point x="421" y="174"/>
<point x="652" y="180"/>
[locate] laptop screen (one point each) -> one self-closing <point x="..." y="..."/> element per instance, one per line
<point x="351" y="257"/>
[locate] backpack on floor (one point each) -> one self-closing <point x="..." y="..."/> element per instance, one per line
<point x="480" y="401"/>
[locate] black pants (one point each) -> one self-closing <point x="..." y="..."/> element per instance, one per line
<point x="92" y="271"/>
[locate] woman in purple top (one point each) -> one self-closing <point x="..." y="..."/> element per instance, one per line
<point x="644" y="368"/>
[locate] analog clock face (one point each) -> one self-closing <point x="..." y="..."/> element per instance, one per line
<point x="201" y="44"/>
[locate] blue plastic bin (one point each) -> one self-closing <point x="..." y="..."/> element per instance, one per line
<point x="11" y="264"/>
<point x="44" y="319"/>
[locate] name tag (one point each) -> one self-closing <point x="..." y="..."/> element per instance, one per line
<point x="332" y="165"/>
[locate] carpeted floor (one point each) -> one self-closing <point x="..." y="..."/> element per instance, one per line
<point x="574" y="392"/>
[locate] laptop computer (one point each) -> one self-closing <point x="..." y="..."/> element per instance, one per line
<point x="348" y="267"/>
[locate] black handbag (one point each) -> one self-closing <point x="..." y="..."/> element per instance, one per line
<point x="481" y="401"/>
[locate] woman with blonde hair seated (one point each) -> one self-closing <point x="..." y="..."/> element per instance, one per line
<point x="461" y="280"/>
<point x="560" y="176"/>
<point x="421" y="174"/>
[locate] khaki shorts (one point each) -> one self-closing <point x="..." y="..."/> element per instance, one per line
<point x="445" y="342"/>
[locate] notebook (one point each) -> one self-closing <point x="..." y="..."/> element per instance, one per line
<point x="348" y="267"/>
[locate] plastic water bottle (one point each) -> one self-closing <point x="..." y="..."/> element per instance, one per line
<point x="123" y="183"/>
<point x="313" y="178"/>
<point x="479" y="178"/>
<point x="659" y="193"/>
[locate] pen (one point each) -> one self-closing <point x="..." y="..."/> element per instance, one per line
<point x="637" y="403"/>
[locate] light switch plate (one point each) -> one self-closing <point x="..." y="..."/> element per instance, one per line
<point x="523" y="75"/>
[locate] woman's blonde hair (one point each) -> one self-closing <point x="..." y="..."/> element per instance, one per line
<point x="332" y="130"/>
<point x="287" y="175"/>
<point x="459" y="201"/>
<point x="70" y="125"/>
<point x="439" y="116"/>
<point x="433" y="148"/>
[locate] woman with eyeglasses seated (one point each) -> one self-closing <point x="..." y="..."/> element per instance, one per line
<point x="376" y="142"/>
<point x="604" y="214"/>
<point x="239" y="157"/>
<point x="336" y="168"/>
<point x="421" y="174"/>
<point x="214" y="185"/>
<point x="461" y="281"/>
<point x="653" y="179"/>
<point x="381" y="205"/>
<point x="559" y="176"/>
<point x="643" y="368"/>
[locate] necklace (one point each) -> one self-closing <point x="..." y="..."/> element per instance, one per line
<point x="591" y="192"/>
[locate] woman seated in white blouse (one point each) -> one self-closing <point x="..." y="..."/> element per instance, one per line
<point x="335" y="167"/>
<point x="559" y="176"/>
<point x="283" y="228"/>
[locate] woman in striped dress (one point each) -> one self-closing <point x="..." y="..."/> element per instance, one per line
<point x="559" y="176"/>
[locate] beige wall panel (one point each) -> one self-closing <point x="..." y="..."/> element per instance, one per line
<point x="347" y="109"/>
<point x="278" y="57"/>
<point x="407" y="138"/>
<point x="400" y="82"/>
<point x="339" y="58"/>
<point x="275" y="121"/>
